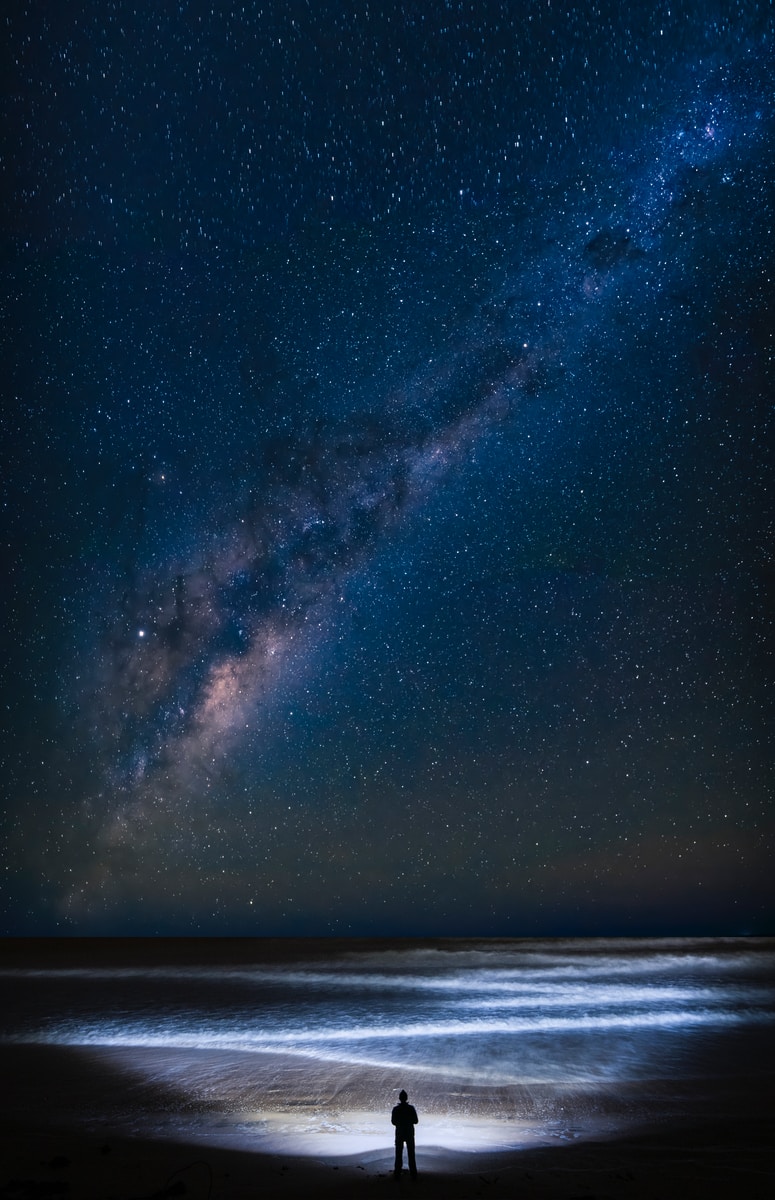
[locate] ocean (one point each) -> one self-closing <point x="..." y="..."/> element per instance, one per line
<point x="301" y="1047"/>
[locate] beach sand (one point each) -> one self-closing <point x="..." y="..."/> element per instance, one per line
<point x="47" y="1150"/>
<point x="712" y="1162"/>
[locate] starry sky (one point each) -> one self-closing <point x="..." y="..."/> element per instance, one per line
<point x="387" y="485"/>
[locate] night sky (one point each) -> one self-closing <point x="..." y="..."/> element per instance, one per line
<point x="387" y="467"/>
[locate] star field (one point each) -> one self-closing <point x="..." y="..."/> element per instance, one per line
<point x="388" y="487"/>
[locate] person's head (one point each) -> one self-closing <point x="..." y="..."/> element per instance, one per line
<point x="402" y="1096"/>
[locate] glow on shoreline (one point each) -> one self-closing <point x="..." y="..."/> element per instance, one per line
<point x="441" y="1051"/>
<point x="338" y="1134"/>
<point x="290" y="1041"/>
<point x="486" y="1024"/>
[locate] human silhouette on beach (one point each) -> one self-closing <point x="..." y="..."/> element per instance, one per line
<point x="404" y="1117"/>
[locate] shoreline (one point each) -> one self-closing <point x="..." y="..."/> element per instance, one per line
<point x="87" y="1114"/>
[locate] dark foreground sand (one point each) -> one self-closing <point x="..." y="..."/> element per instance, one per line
<point x="711" y="1162"/>
<point x="46" y="1153"/>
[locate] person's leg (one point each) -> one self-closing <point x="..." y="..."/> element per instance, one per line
<point x="399" y="1156"/>
<point x="410" y="1156"/>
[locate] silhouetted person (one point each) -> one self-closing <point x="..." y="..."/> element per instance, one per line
<point x="404" y="1117"/>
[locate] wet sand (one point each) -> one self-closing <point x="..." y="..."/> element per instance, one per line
<point x="723" y="1148"/>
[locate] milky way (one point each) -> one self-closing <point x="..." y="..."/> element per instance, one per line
<point x="201" y="624"/>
